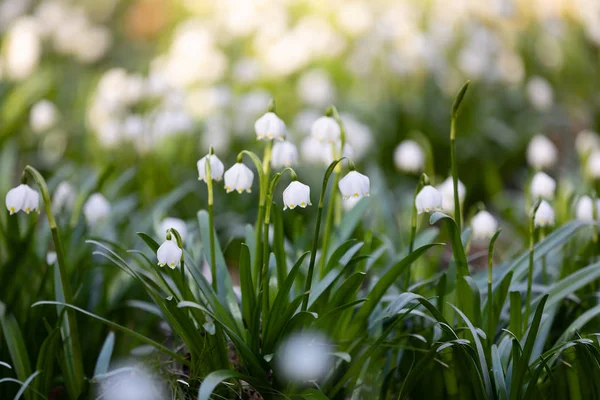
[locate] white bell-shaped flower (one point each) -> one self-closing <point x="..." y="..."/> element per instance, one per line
<point x="43" y="116"/>
<point x="326" y="130"/>
<point x="429" y="199"/>
<point x="544" y="215"/>
<point x="541" y="152"/>
<point x="584" y="210"/>
<point x="173" y="223"/>
<point x="542" y="186"/>
<point x="484" y="225"/>
<point x="269" y="126"/>
<point x="296" y="194"/>
<point x="238" y="177"/>
<point x="593" y="165"/>
<point x="284" y="154"/>
<point x="447" y="191"/>
<point x="96" y="209"/>
<point x="354" y="184"/>
<point x="64" y="197"/>
<point x="216" y="168"/>
<point x="169" y="254"/>
<point x="22" y="198"/>
<point x="586" y="142"/>
<point x="409" y="157"/>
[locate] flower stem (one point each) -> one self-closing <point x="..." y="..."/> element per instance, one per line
<point x="530" y="269"/>
<point x="264" y="173"/>
<point x="456" y="106"/>
<point x="211" y="221"/>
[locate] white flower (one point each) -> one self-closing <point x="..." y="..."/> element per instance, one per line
<point x="51" y="258"/>
<point x="269" y="126"/>
<point x="238" y="177"/>
<point x="354" y="184"/>
<point x="540" y="93"/>
<point x="21" y="48"/>
<point x="304" y="357"/>
<point x="296" y="194"/>
<point x="173" y="223"/>
<point x="284" y="154"/>
<point x="544" y="215"/>
<point x="447" y="191"/>
<point x="358" y="135"/>
<point x="593" y="165"/>
<point x="350" y="203"/>
<point x="484" y="225"/>
<point x="312" y="150"/>
<point x="409" y="157"/>
<point x="131" y="382"/>
<point x="331" y="151"/>
<point x="428" y="199"/>
<point x="64" y="196"/>
<point x="542" y="186"/>
<point x="541" y="152"/>
<point x="22" y="198"/>
<point x="584" y="210"/>
<point x="315" y="88"/>
<point x="96" y="209"/>
<point x="326" y="129"/>
<point x="586" y="142"/>
<point x="216" y="168"/>
<point x="169" y="254"/>
<point x="43" y="116"/>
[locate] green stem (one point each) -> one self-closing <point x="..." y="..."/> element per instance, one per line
<point x="455" y="107"/>
<point x="328" y="226"/>
<point x="544" y="261"/>
<point x="211" y="221"/>
<point x="572" y="377"/>
<point x="530" y="269"/>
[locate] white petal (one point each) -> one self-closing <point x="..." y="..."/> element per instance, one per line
<point x="15" y="198"/>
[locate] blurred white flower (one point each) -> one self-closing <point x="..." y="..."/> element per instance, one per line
<point x="584" y="210"/>
<point x="96" y="209"/>
<point x="354" y="184"/>
<point x="22" y="198"/>
<point x="544" y="215"/>
<point x="296" y="194"/>
<point x="216" y="168"/>
<point x="429" y="199"/>
<point x="43" y="116"/>
<point x="169" y="254"/>
<point x="269" y="126"/>
<point x="131" y="383"/>
<point x="355" y="17"/>
<point x="447" y="191"/>
<point x="409" y="157"/>
<point x="22" y="48"/>
<point x="304" y="357"/>
<point x="542" y="186"/>
<point x="93" y="45"/>
<point x="358" y="135"/>
<point x="586" y="142"/>
<point x="484" y="225"/>
<point x="326" y="129"/>
<point x="238" y="177"/>
<point x="51" y="258"/>
<point x="51" y="14"/>
<point x="312" y="150"/>
<point x="540" y="93"/>
<point x="173" y="223"/>
<point x="64" y="197"/>
<point x="541" y="152"/>
<point x="331" y="152"/>
<point x="593" y="165"/>
<point x="350" y="203"/>
<point x="246" y="70"/>
<point x="315" y="88"/>
<point x="284" y="154"/>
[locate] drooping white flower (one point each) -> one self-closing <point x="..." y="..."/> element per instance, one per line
<point x="541" y="152"/>
<point x="43" y="116"/>
<point x="326" y="129"/>
<point x="544" y="215"/>
<point x="542" y="186"/>
<point x="593" y="165"/>
<point x="22" y="198"/>
<point x="409" y="157"/>
<point x="586" y="142"/>
<point x="296" y="194"/>
<point x="169" y="254"/>
<point x="584" y="210"/>
<point x="51" y="258"/>
<point x="354" y="184"/>
<point x="447" y="191"/>
<point x="173" y="223"/>
<point x="238" y="177"/>
<point x="484" y="225"/>
<point x="64" y="196"/>
<point x="216" y="168"/>
<point x="96" y="209"/>
<point x="284" y="154"/>
<point x="429" y="199"/>
<point x="304" y="357"/>
<point x="269" y="126"/>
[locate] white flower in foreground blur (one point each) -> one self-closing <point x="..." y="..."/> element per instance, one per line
<point x="304" y="357"/>
<point x="587" y="141"/>
<point x="131" y="383"/>
<point x="447" y="191"/>
<point x="296" y="194"/>
<point x="541" y="152"/>
<point x="284" y="154"/>
<point x="584" y="210"/>
<point x="43" y="116"/>
<point x="326" y="129"/>
<point x="544" y="215"/>
<point x="409" y="157"/>
<point x="21" y="48"/>
<point x="22" y="198"/>
<point x="484" y="225"/>
<point x="64" y="197"/>
<point x="216" y="168"/>
<point x="238" y="177"/>
<point x="593" y="165"/>
<point x="269" y="126"/>
<point x="540" y="93"/>
<point x="51" y="258"/>
<point x="542" y="186"/>
<point x="354" y="184"/>
<point x="429" y="199"/>
<point x="173" y="223"/>
<point x="169" y="254"/>
<point x="96" y="209"/>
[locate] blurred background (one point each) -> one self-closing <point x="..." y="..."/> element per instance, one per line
<point x="151" y="84"/>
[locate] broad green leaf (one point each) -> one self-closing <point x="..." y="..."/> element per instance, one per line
<point x="103" y="361"/>
<point x="214" y="379"/>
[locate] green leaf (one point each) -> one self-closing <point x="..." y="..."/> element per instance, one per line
<point x="149" y="241"/>
<point x="26" y="385"/>
<point x="46" y="361"/>
<point x="579" y="323"/>
<point x="351" y="219"/>
<point x="499" y="379"/>
<point x="105" y="355"/>
<point x="16" y="345"/>
<point x="571" y="284"/>
<point x="214" y="379"/>
<point x="246" y="285"/>
<point x="515" y="325"/>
